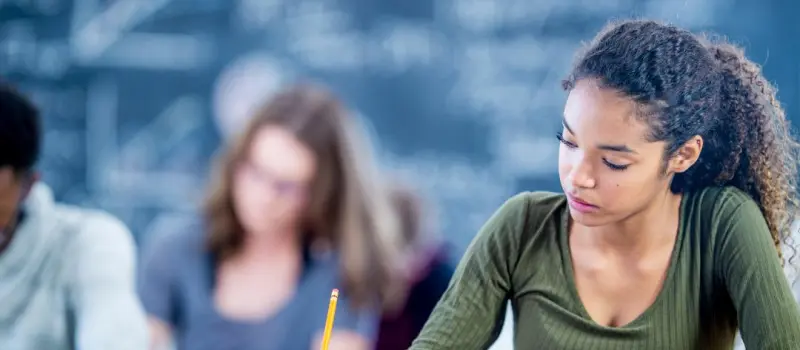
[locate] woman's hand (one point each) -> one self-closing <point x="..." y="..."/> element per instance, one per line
<point x="342" y="340"/>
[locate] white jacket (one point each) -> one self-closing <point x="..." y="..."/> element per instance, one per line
<point x="67" y="281"/>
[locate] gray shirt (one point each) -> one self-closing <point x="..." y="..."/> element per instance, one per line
<point x="177" y="283"/>
<point x="67" y="281"/>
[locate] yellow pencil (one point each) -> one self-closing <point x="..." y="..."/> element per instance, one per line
<point x="326" y="337"/>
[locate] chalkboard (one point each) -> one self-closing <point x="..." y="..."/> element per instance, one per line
<point x="461" y="97"/>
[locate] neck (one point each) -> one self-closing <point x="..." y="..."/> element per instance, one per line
<point x="650" y="228"/>
<point x="272" y="246"/>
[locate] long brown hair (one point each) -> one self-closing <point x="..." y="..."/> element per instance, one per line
<point x="348" y="208"/>
<point x="411" y="209"/>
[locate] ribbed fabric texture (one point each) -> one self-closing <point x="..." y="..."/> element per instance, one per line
<point x="724" y="264"/>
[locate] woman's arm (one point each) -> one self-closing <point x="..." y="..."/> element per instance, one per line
<point x="470" y="313"/>
<point x="156" y="288"/>
<point x="160" y="334"/>
<point x="344" y="340"/>
<point x="769" y="317"/>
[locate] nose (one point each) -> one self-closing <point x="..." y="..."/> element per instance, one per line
<point x="260" y="192"/>
<point x="581" y="175"/>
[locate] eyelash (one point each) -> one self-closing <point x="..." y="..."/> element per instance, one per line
<point x="570" y="145"/>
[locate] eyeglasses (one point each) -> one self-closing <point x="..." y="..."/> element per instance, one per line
<point x="262" y="177"/>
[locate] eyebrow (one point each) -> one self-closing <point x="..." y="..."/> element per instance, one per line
<point x="607" y="147"/>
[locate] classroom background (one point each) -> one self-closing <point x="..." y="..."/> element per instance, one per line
<point x="461" y="97"/>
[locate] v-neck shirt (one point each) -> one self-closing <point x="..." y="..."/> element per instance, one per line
<point x="176" y="286"/>
<point x="724" y="275"/>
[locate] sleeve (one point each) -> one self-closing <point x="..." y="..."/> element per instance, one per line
<point x="102" y="294"/>
<point x="156" y="281"/>
<point x="769" y="317"/>
<point x="470" y="314"/>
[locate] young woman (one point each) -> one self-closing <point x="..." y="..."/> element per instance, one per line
<point x="295" y="211"/>
<point x="679" y="176"/>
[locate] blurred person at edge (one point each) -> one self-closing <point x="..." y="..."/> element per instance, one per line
<point x="66" y="273"/>
<point x="429" y="268"/>
<point x="296" y="210"/>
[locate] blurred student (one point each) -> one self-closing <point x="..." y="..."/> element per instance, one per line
<point x="428" y="269"/>
<point x="295" y="211"/>
<point x="66" y="273"/>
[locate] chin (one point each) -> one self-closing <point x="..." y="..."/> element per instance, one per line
<point x="257" y="228"/>
<point x="589" y="219"/>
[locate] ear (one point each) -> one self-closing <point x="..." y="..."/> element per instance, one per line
<point x="686" y="155"/>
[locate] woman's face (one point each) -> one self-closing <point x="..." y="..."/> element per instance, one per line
<point x="271" y="183"/>
<point x="607" y="168"/>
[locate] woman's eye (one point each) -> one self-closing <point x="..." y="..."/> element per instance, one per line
<point x="560" y="138"/>
<point x="613" y="166"/>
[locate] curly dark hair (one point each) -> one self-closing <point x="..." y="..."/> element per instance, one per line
<point x="690" y="85"/>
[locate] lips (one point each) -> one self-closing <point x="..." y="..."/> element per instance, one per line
<point x="580" y="201"/>
<point x="580" y="205"/>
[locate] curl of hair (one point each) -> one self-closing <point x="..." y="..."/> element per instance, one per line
<point x="689" y="85"/>
<point x="762" y="158"/>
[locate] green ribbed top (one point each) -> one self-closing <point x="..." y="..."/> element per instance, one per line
<point x="724" y="264"/>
